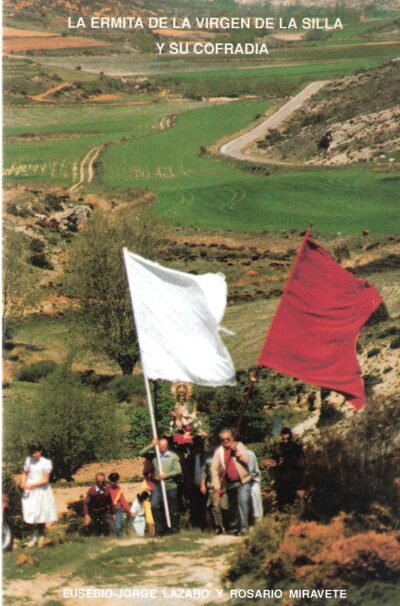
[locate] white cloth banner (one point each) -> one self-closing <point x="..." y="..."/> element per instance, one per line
<point x="177" y="318"/>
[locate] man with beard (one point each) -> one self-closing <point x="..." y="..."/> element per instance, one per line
<point x="288" y="462"/>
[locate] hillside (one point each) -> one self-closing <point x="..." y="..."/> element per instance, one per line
<point x="355" y="119"/>
<point x="382" y="4"/>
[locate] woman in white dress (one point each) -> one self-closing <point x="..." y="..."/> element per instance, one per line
<point x="38" y="506"/>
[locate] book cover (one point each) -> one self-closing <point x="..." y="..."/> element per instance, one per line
<point x="254" y="139"/>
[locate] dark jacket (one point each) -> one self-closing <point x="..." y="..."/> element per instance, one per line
<point x="98" y="502"/>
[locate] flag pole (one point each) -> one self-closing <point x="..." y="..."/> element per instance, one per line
<point x="151" y="412"/>
<point x="154" y="428"/>
<point x="253" y="375"/>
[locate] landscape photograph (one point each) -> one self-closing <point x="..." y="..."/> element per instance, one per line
<point x="210" y="137"/>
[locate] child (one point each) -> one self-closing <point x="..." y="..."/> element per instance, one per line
<point x="38" y="506"/>
<point x="119" y="502"/>
<point x="138" y="513"/>
<point x="148" y="485"/>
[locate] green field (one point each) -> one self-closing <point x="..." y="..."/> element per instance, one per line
<point x="195" y="190"/>
<point x="68" y="133"/>
<point x="318" y="53"/>
<point x="48" y="144"/>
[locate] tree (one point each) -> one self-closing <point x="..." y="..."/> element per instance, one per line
<point x="19" y="290"/>
<point x="98" y="280"/>
<point x="140" y="433"/>
<point x="75" y="426"/>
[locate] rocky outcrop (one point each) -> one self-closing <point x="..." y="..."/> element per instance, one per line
<point x="71" y="219"/>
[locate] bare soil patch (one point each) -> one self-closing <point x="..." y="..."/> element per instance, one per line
<point x="48" y="43"/>
<point x="14" y="32"/>
<point x="295" y="37"/>
<point x="64" y="496"/>
<point x="105" y="97"/>
<point x="127" y="468"/>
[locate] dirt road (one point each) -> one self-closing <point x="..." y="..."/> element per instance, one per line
<point x="170" y="569"/>
<point x="50" y="91"/>
<point x="86" y="169"/>
<point x="236" y="148"/>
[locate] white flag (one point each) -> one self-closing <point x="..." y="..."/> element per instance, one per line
<point x="177" y="318"/>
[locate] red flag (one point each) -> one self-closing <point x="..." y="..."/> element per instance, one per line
<point x="314" y="332"/>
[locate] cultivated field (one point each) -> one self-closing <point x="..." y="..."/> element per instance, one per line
<point x="21" y="43"/>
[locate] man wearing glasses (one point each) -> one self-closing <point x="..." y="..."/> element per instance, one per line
<point x="230" y="473"/>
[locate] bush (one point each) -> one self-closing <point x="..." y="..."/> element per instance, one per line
<point x="75" y="426"/>
<point x="389" y="332"/>
<point x="140" y="434"/>
<point x="395" y="344"/>
<point x="54" y="203"/>
<point x="341" y="251"/>
<point x="371" y="379"/>
<point x="32" y="373"/>
<point x="284" y="552"/>
<point x="380" y="315"/>
<point x="10" y="488"/>
<point x="340" y="476"/>
<point x="16" y="211"/>
<point x="36" y="245"/>
<point x="373" y="352"/>
<point x="40" y="260"/>
<point x="223" y="406"/>
<point x="123" y="387"/>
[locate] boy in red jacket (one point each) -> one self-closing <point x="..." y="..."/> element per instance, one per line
<point x="119" y="502"/>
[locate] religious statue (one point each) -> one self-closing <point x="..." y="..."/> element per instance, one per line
<point x="185" y="422"/>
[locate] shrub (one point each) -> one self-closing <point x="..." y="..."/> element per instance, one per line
<point x="371" y="379"/>
<point x="17" y="211"/>
<point x="140" y="434"/>
<point x="341" y="251"/>
<point x="75" y="426"/>
<point x="40" y="260"/>
<point x="284" y="552"/>
<point x="380" y="315"/>
<point x="342" y="476"/>
<point x="10" y="488"/>
<point x="395" y="344"/>
<point x="54" y="203"/>
<point x="32" y="373"/>
<point x="223" y="407"/>
<point x="123" y="387"/>
<point x="389" y="332"/>
<point x="373" y="352"/>
<point x="36" y="245"/>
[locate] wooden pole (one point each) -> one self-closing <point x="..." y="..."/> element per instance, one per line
<point x="152" y="417"/>
<point x="155" y="393"/>
<point x="154" y="428"/>
<point x="246" y="398"/>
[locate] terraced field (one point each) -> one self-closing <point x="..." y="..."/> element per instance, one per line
<point x="45" y="145"/>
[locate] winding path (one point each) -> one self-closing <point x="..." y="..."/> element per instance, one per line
<point x="236" y="148"/>
<point x="50" y="91"/>
<point x="86" y="170"/>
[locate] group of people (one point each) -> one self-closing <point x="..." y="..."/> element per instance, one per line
<point x="222" y="488"/>
<point x="223" y="484"/>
